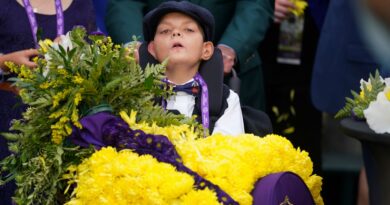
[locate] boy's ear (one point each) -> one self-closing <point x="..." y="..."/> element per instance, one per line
<point x="152" y="49"/>
<point x="208" y="50"/>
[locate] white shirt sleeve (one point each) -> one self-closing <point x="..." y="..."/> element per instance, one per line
<point x="231" y="122"/>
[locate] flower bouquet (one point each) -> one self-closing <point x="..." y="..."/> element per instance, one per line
<point x="92" y="134"/>
<point x="371" y="104"/>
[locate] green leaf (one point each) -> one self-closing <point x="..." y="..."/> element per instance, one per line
<point x="149" y="82"/>
<point x="359" y="103"/>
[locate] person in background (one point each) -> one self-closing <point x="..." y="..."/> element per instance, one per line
<point x="236" y="35"/>
<point x="374" y="24"/>
<point x="23" y="23"/>
<point x="338" y="72"/>
<point x="288" y="75"/>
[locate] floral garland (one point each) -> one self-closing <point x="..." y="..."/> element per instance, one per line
<point x="104" y="129"/>
<point x="217" y="158"/>
<point x="221" y="159"/>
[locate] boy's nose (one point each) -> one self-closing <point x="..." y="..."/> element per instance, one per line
<point x="174" y="34"/>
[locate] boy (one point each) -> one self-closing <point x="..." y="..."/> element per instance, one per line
<point x="182" y="32"/>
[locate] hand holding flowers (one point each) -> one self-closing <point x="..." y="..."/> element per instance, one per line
<point x="284" y="8"/>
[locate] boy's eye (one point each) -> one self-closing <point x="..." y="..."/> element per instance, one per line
<point x="189" y="30"/>
<point x="164" y="31"/>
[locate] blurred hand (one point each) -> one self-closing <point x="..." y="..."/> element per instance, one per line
<point x="57" y="39"/>
<point x="136" y="53"/>
<point x="229" y="57"/>
<point x="282" y="10"/>
<point x="21" y="58"/>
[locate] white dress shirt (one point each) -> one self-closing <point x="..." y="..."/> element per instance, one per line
<point x="231" y="121"/>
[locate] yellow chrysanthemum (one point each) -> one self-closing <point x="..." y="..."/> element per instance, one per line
<point x="222" y="159"/>
<point x="201" y="197"/>
<point x="110" y="177"/>
<point x="175" y="133"/>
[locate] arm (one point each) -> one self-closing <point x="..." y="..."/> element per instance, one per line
<point x="248" y="27"/>
<point x="124" y="19"/>
<point x="231" y="122"/>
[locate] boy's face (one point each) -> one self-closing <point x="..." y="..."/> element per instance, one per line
<point x="179" y="38"/>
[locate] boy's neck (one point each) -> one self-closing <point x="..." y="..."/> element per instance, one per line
<point x="179" y="75"/>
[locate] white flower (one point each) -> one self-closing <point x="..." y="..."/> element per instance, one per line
<point x="64" y="41"/>
<point x="378" y="112"/>
<point x="387" y="81"/>
<point x="46" y="71"/>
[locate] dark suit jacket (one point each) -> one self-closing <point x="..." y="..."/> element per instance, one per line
<point x="342" y="59"/>
<point x="240" y="24"/>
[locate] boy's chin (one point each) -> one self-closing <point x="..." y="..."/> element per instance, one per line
<point x="183" y="62"/>
<point x="178" y="58"/>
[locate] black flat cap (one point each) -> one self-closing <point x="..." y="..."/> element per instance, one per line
<point x="201" y="15"/>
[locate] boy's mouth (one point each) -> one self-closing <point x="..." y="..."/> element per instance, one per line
<point x="177" y="45"/>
